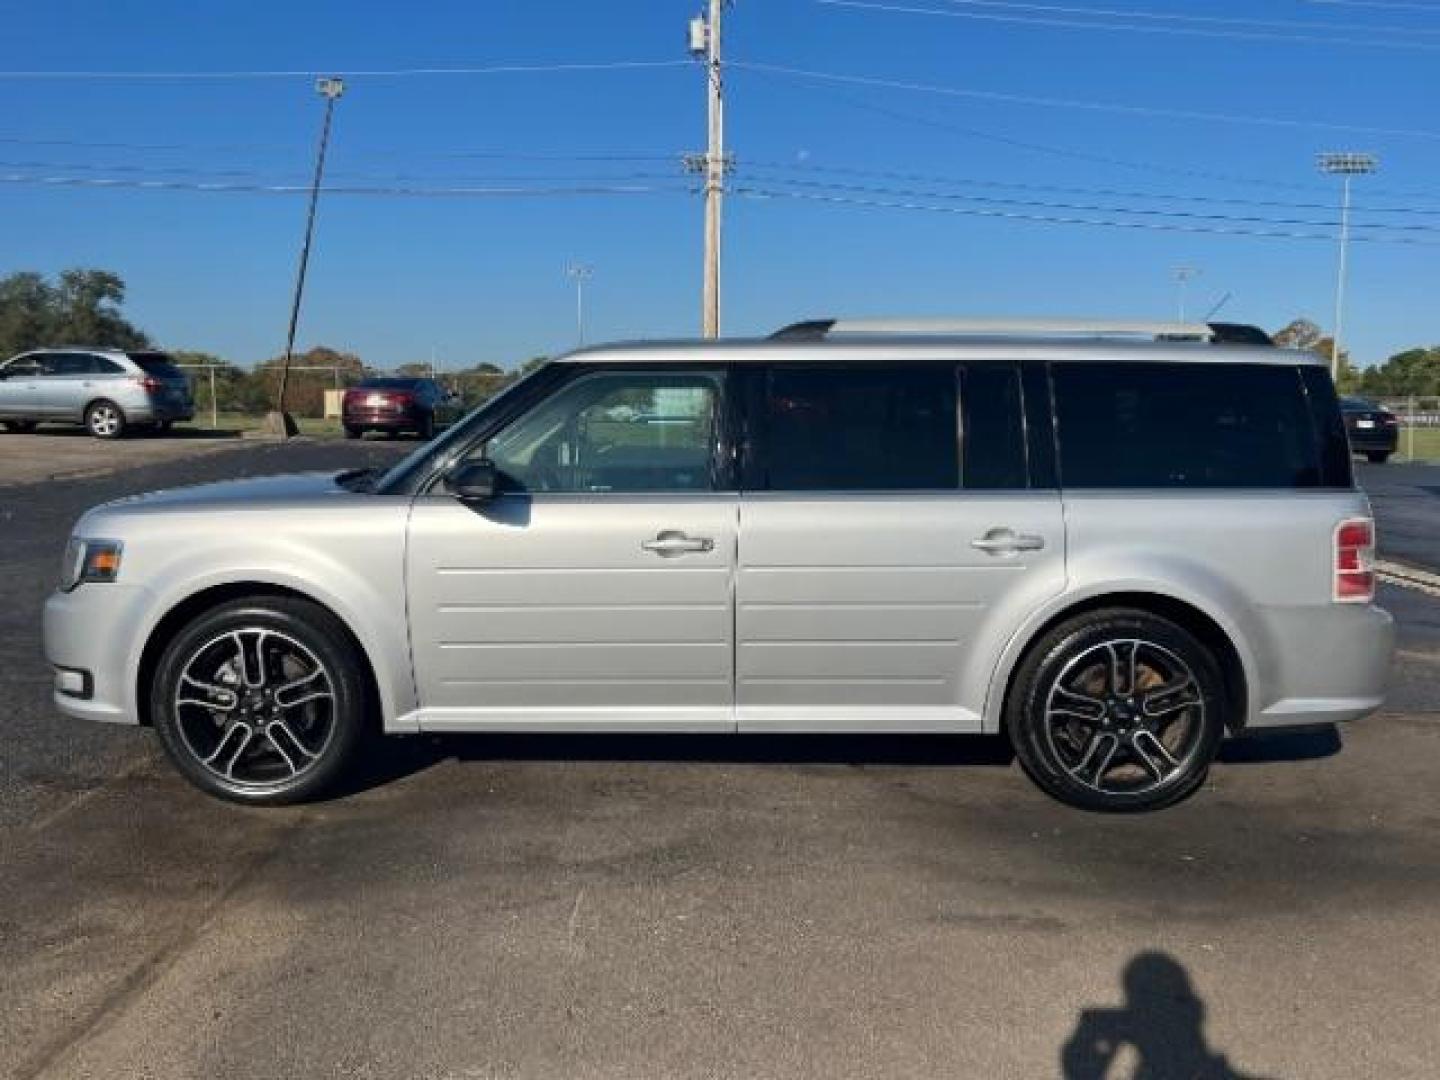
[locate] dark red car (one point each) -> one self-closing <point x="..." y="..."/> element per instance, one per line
<point x="394" y="404"/>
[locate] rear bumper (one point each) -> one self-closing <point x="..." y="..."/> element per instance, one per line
<point x="1329" y="669"/>
<point x="150" y="412"/>
<point x="1377" y="439"/>
<point x="361" y="418"/>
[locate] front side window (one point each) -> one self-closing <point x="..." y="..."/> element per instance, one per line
<point x="621" y="431"/>
<point x="874" y="427"/>
<point x="1184" y="425"/>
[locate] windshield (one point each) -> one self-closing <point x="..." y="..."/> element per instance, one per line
<point x="441" y="453"/>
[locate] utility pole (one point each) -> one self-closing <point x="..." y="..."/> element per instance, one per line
<point x="1346" y="166"/>
<point x="705" y="44"/>
<point x="280" y="422"/>
<point x="581" y="273"/>
<point x="1182" y="275"/>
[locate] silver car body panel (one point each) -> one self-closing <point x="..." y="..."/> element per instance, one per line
<point x="804" y="612"/>
<point x="59" y="398"/>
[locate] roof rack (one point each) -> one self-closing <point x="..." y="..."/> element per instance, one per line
<point x="1216" y="333"/>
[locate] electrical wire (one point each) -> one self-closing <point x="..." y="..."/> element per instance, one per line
<point x="1072" y="103"/>
<point x="339" y="189"/>
<point x="762" y="194"/>
<point x="370" y="73"/>
<point x="751" y="164"/>
<point x="1183" y="17"/>
<point x="1134" y="28"/>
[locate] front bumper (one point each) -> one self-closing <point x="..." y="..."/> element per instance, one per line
<point x="92" y="638"/>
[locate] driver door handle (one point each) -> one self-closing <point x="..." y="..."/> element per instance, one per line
<point x="1007" y="542"/>
<point x="671" y="542"/>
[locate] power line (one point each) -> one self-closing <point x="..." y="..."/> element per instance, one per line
<point x="1072" y="103"/>
<point x="1135" y="28"/>
<point x="338" y="189"/>
<point x="1180" y="17"/>
<point x="371" y="73"/>
<point x="1384" y="5"/>
<point x="1140" y="212"/>
<point x="1064" y="152"/>
<point x="1062" y="189"/>
<point x="1011" y="215"/>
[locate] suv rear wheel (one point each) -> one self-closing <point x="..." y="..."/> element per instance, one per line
<point x="104" y="420"/>
<point x="260" y="701"/>
<point x="1117" y="710"/>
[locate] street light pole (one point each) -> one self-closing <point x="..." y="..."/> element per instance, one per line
<point x="580" y="273"/>
<point x="1346" y="166"/>
<point x="705" y="44"/>
<point x="1182" y="275"/>
<point x="330" y="89"/>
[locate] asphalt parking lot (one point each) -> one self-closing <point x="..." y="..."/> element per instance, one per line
<point x="709" y="907"/>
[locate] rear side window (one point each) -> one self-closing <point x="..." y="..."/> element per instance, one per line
<point x="994" y="431"/>
<point x="1198" y="425"/>
<point x="1329" y="423"/>
<point x="157" y="364"/>
<point x="880" y="428"/>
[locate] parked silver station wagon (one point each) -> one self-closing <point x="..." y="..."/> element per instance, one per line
<point x="1114" y="543"/>
<point x="109" y="391"/>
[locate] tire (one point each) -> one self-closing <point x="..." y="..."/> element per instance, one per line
<point x="163" y="427"/>
<point x="225" y="730"/>
<point x="427" y="428"/>
<point x="1378" y="457"/>
<point x="1092" y="736"/>
<point x="104" y="419"/>
<point x="20" y="427"/>
<point x="353" y="432"/>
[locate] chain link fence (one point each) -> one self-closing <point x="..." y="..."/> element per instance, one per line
<point x="1419" y="435"/>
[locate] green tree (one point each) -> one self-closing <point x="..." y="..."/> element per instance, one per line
<point x="1304" y="334"/>
<point x="81" y="308"/>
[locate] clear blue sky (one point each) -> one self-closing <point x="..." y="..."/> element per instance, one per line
<point x="483" y="278"/>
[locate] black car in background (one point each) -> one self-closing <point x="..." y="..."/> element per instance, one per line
<point x="1373" y="431"/>
<point x="393" y="405"/>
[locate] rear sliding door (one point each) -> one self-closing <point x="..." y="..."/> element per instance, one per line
<point x="894" y="524"/>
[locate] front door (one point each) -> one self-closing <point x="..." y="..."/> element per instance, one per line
<point x="594" y="592"/>
<point x="883" y="547"/>
<point x="20" y="396"/>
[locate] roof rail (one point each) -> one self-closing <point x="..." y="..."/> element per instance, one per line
<point x="1219" y="333"/>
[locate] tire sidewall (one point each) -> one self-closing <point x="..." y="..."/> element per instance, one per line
<point x="319" y="632"/>
<point x="1025" y="713"/>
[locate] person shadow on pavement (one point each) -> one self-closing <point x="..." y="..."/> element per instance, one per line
<point x="1158" y="1033"/>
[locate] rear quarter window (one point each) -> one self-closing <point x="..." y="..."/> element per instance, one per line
<point x="157" y="364"/>
<point x="1190" y="425"/>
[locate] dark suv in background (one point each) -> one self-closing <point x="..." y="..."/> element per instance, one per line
<point x="393" y="405"/>
<point x="1374" y="431"/>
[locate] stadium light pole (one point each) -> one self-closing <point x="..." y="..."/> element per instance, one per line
<point x="1182" y="275"/>
<point x="1347" y="166"/>
<point x="580" y="273"/>
<point x="281" y="422"/>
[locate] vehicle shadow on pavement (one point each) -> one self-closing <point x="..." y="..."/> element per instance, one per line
<point x="1158" y="1033"/>
<point x="393" y="759"/>
<point x="180" y="434"/>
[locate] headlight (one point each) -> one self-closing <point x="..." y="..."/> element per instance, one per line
<point x="89" y="560"/>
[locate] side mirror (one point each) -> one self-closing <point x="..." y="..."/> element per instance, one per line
<point x="473" y="481"/>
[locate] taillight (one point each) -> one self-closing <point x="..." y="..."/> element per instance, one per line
<point x="149" y="382"/>
<point x="1355" y="561"/>
<point x="1388" y="420"/>
<point x="402" y="397"/>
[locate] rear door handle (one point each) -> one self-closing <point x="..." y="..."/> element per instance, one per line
<point x="1007" y="542"/>
<point x="671" y="542"/>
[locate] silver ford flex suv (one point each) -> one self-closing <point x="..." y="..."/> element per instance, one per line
<point x="107" y="390"/>
<point x="1116" y="544"/>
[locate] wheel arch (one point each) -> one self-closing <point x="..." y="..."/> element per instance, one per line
<point x="196" y="604"/>
<point x="1205" y="625"/>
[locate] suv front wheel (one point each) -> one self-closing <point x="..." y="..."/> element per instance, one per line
<point x="1117" y="710"/>
<point x="260" y="701"/>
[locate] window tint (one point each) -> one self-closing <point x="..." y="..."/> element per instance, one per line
<point x="100" y="365"/>
<point x="1329" y="425"/>
<point x="870" y="428"/>
<point x="1202" y="425"/>
<point x="994" y="432"/>
<point x="389" y="383"/>
<point x="158" y="365"/>
<point x="618" y="431"/>
<point x="70" y="364"/>
<point x="22" y="366"/>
